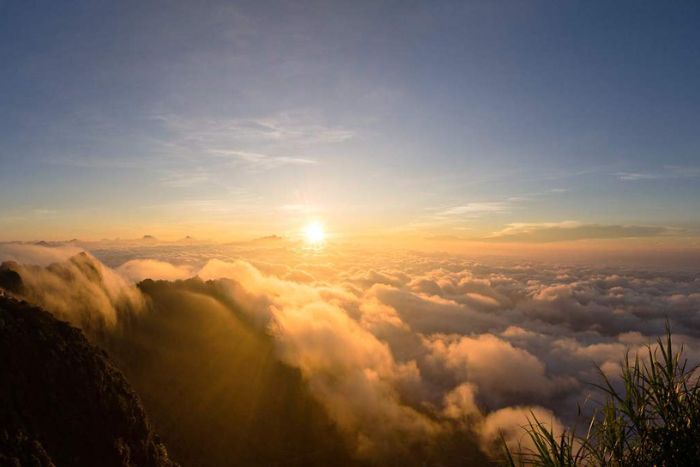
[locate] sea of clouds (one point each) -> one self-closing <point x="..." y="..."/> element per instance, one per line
<point x="399" y="347"/>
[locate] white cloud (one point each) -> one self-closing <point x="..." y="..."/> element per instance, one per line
<point x="475" y="209"/>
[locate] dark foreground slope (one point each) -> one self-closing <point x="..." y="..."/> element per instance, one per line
<point x="62" y="402"/>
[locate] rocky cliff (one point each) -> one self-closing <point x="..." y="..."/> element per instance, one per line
<point x="62" y="402"/>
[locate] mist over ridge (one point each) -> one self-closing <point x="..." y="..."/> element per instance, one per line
<point x="401" y="355"/>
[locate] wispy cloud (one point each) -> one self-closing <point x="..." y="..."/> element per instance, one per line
<point x="185" y="178"/>
<point x="475" y="209"/>
<point x="100" y="161"/>
<point x="289" y="128"/>
<point x="256" y="144"/>
<point x="298" y="128"/>
<point x="667" y="172"/>
<point x="573" y="230"/>
<point x="480" y="208"/>
<point x="299" y="208"/>
<point x="262" y="161"/>
<point x="636" y="176"/>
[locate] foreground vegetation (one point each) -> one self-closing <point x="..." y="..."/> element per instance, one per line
<point x="651" y="419"/>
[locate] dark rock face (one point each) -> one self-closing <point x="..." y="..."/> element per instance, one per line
<point x="62" y="402"/>
<point x="9" y="278"/>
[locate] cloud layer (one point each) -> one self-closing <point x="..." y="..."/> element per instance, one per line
<point x="404" y="351"/>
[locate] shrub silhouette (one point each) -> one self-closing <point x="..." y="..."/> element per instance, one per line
<point x="652" y="420"/>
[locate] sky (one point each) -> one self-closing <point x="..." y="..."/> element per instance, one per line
<point x="497" y="122"/>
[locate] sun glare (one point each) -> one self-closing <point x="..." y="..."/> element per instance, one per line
<point x="314" y="234"/>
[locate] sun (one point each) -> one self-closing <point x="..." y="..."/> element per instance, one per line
<point x="314" y="234"/>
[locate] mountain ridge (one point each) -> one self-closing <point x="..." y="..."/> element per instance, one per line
<point x="63" y="400"/>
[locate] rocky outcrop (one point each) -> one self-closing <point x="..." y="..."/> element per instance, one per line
<point x="62" y="402"/>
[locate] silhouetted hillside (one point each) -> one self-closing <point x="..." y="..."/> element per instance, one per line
<point x="63" y="403"/>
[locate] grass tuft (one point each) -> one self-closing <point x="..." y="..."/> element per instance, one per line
<point x="651" y="419"/>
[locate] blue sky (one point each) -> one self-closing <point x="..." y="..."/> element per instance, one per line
<point x="456" y="118"/>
